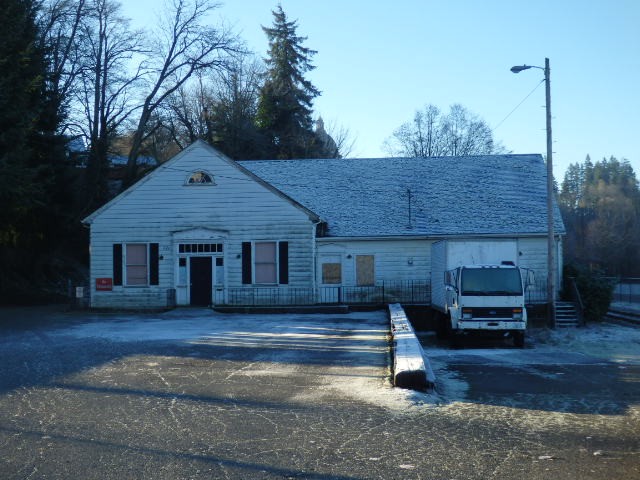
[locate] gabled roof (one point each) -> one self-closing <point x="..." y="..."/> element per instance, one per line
<point x="208" y="151"/>
<point x="438" y="196"/>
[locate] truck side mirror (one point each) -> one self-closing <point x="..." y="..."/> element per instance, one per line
<point x="450" y="279"/>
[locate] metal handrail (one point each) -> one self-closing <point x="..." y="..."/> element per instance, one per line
<point x="575" y="291"/>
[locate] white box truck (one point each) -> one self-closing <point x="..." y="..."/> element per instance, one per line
<point x="477" y="287"/>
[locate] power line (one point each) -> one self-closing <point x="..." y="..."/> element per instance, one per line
<point x="517" y="106"/>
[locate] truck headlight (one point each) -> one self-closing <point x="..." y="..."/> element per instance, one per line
<point x="517" y="314"/>
<point x="467" y="314"/>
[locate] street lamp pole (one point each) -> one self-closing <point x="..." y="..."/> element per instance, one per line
<point x="551" y="253"/>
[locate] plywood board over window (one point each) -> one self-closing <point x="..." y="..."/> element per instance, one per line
<point x="331" y="273"/>
<point x="365" y="271"/>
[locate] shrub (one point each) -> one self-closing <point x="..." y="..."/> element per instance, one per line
<point x="595" y="290"/>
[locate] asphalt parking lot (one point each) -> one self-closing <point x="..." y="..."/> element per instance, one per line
<point x="195" y="394"/>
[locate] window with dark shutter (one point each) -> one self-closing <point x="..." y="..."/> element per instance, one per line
<point x="117" y="264"/>
<point x="246" y="263"/>
<point x="154" y="261"/>
<point x="283" y="260"/>
<point x="136" y="264"/>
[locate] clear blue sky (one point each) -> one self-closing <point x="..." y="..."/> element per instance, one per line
<point x="379" y="61"/>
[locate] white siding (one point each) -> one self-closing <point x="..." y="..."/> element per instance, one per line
<point x="160" y="205"/>
<point x="438" y="267"/>
<point x="534" y="256"/>
<point x="394" y="259"/>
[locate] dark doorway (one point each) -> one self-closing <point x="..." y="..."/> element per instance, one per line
<point x="201" y="284"/>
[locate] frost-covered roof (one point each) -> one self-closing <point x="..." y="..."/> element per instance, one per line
<point x="478" y="195"/>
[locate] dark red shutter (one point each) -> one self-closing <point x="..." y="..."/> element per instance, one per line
<point x="283" y="260"/>
<point x="154" y="261"/>
<point x="117" y="264"/>
<point x="246" y="263"/>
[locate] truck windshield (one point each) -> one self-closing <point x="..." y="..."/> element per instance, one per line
<point x="491" y="281"/>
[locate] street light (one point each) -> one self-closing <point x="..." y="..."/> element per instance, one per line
<point x="551" y="278"/>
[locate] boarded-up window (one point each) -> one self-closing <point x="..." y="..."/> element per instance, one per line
<point x="136" y="266"/>
<point x="331" y="273"/>
<point x="365" y="272"/>
<point x="265" y="262"/>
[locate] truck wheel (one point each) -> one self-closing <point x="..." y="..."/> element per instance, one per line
<point x="456" y="341"/>
<point x="442" y="332"/>
<point x="518" y="339"/>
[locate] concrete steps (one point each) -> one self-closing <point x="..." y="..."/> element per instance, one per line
<point x="566" y="315"/>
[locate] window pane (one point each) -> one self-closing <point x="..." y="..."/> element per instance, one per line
<point x="136" y="264"/>
<point x="265" y="262"/>
<point x="494" y="281"/>
<point x="136" y="254"/>
<point x="266" y="273"/>
<point x="200" y="178"/>
<point x="136" y="275"/>
<point x="266" y="252"/>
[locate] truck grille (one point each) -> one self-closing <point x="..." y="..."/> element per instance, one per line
<point x="492" y="313"/>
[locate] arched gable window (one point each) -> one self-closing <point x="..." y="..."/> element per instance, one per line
<point x="200" y="177"/>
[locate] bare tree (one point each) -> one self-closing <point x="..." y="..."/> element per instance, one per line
<point x="187" y="112"/>
<point x="431" y="134"/>
<point x="107" y="85"/>
<point x="219" y="108"/>
<point x="59" y="22"/>
<point x="184" y="45"/>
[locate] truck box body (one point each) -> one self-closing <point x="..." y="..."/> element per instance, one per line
<point x="449" y="254"/>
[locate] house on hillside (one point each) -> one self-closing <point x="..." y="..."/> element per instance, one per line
<point x="203" y="229"/>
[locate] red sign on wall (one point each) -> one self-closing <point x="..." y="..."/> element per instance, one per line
<point x="104" y="284"/>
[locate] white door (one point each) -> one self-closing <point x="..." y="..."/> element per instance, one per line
<point x="330" y="272"/>
<point x="218" y="281"/>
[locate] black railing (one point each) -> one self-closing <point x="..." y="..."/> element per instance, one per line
<point x="627" y="290"/>
<point x="576" y="298"/>
<point x="537" y="293"/>
<point x="408" y="292"/>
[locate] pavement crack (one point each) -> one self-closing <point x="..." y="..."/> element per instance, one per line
<point x="239" y="370"/>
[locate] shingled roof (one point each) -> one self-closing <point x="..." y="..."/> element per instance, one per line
<point x="438" y="196"/>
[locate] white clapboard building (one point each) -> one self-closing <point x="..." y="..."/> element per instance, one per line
<point x="202" y="229"/>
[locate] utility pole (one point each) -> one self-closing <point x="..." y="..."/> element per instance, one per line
<point x="551" y="242"/>
<point x="551" y="247"/>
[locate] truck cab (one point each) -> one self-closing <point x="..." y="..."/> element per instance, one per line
<point x="486" y="299"/>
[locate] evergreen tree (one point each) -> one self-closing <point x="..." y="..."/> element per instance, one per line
<point x="601" y="208"/>
<point x="35" y="181"/>
<point x="286" y="98"/>
<point x="21" y="80"/>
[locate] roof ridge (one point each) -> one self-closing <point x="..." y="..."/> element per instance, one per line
<point x="356" y="159"/>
